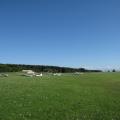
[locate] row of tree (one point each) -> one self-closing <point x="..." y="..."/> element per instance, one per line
<point x="41" y="68"/>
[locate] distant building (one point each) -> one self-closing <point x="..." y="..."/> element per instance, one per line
<point x="28" y="72"/>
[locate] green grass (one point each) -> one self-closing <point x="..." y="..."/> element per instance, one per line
<point x="94" y="96"/>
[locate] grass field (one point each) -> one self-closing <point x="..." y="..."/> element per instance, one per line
<point x="91" y="96"/>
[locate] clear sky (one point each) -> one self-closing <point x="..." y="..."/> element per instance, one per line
<point x="74" y="33"/>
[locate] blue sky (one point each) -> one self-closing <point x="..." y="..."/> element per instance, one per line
<point x="73" y="33"/>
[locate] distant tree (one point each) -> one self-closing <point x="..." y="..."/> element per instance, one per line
<point x="113" y="70"/>
<point x="41" y="68"/>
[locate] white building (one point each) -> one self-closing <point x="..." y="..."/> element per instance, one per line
<point x="30" y="72"/>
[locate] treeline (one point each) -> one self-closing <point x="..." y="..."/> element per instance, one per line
<point x="41" y="68"/>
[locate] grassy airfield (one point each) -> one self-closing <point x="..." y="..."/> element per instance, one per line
<point x="90" y="96"/>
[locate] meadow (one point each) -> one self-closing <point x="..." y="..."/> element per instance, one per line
<point x="90" y="96"/>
